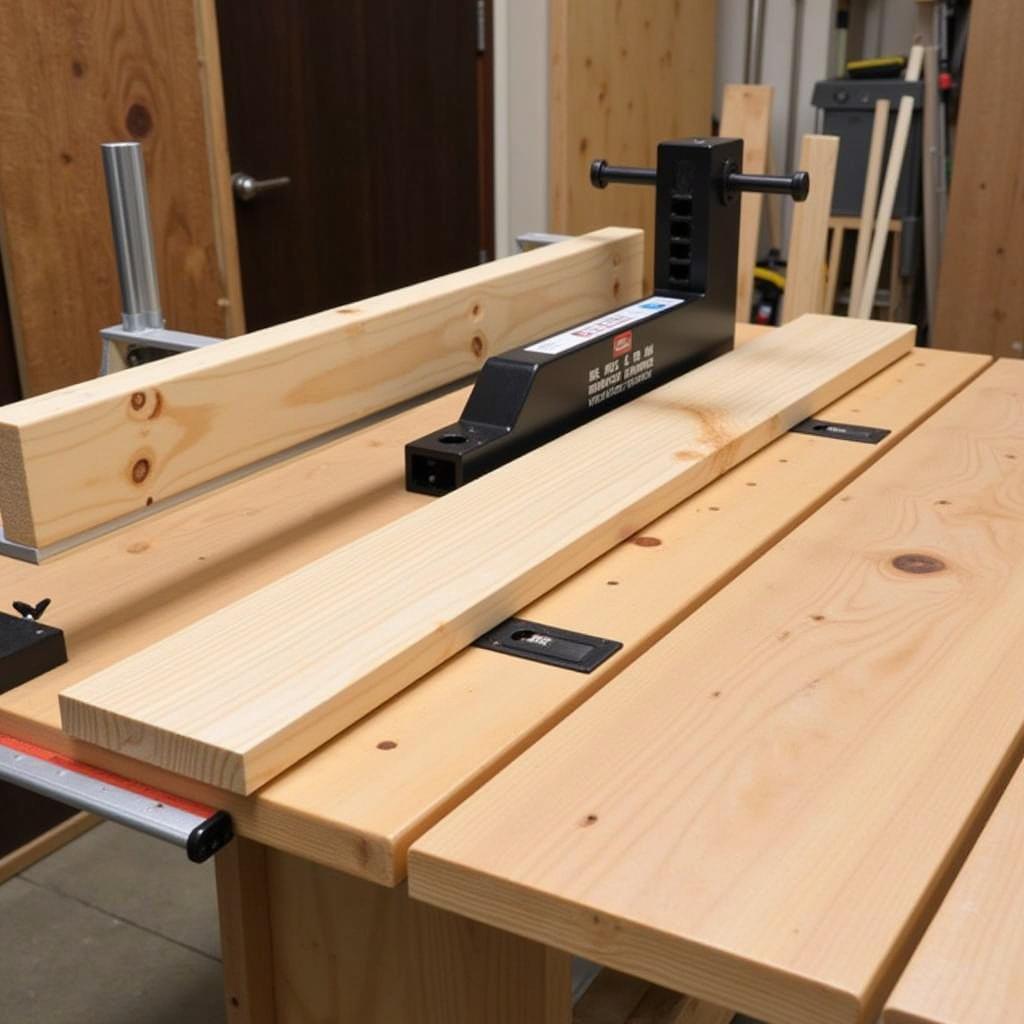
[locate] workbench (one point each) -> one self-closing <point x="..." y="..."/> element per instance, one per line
<point x="317" y="919"/>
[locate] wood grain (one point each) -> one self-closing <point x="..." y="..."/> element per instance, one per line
<point x="765" y="809"/>
<point x="74" y="74"/>
<point x="805" y="264"/>
<point x="365" y="796"/>
<point x="747" y="115"/>
<point x="349" y="952"/>
<point x="157" y="430"/>
<point x="622" y="80"/>
<point x="226" y="703"/>
<point x="969" y="968"/>
<point x="980" y="306"/>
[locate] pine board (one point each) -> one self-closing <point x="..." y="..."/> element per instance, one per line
<point x="764" y="810"/>
<point x="74" y="74"/>
<point x="229" y="703"/>
<point x="623" y="79"/>
<point x="969" y="968"/>
<point x="157" y="430"/>
<point x="747" y="115"/>
<point x="355" y="804"/>
<point x="805" y="266"/>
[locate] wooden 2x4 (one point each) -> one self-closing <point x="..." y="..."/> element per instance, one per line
<point x="83" y="456"/>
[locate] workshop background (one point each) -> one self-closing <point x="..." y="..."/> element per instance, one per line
<point x="391" y="142"/>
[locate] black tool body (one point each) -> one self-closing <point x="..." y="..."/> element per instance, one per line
<point x="533" y="394"/>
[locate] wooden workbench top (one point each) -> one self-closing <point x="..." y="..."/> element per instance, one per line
<point x="969" y="968"/>
<point x="765" y="809"/>
<point x="361" y="800"/>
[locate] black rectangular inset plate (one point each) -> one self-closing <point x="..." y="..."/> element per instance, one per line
<point x="548" y="645"/>
<point x="27" y="650"/>
<point x="841" y="431"/>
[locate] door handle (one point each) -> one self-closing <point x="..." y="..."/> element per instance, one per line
<point x="247" y="188"/>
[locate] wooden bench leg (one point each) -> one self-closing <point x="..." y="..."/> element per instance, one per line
<point x="242" y="901"/>
<point x="348" y="951"/>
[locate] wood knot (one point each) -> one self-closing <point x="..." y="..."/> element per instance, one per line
<point x="77" y="68"/>
<point x="590" y="819"/>
<point x="145" y="405"/>
<point x="138" y="121"/>
<point x="138" y="547"/>
<point x="647" y="542"/>
<point x="477" y="345"/>
<point x="140" y="470"/>
<point x="918" y="564"/>
<point x="387" y="745"/>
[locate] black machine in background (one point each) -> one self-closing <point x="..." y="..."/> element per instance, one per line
<point x="530" y="395"/>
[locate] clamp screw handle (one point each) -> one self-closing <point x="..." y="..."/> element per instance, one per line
<point x="27" y="611"/>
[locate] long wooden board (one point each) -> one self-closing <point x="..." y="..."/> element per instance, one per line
<point x="361" y="800"/>
<point x="969" y="968"/>
<point x="747" y="115"/>
<point x="232" y="703"/>
<point x="764" y="810"/>
<point x="805" y="268"/>
<point x="83" y="456"/>
<point x="622" y="80"/>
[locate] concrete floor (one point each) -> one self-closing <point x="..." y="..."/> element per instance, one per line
<point x="118" y="928"/>
<point x="115" y="928"/>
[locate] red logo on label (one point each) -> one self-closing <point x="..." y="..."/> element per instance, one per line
<point x="622" y="343"/>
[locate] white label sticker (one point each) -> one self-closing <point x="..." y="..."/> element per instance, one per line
<point x="614" y="321"/>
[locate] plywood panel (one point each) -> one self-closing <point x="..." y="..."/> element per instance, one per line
<point x="980" y="304"/>
<point x="624" y="77"/>
<point x="359" y="802"/>
<point x="74" y="74"/>
<point x="765" y="809"/>
<point x="416" y="592"/>
<point x="969" y="968"/>
<point x="156" y="430"/>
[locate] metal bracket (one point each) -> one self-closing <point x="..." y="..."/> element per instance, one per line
<point x="118" y="339"/>
<point x="199" y="830"/>
<point x="549" y="645"/>
<point x="841" y="431"/>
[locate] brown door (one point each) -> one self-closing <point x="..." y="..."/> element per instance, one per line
<point x="372" y="110"/>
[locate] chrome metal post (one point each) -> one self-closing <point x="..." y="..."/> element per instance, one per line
<point x="133" y="236"/>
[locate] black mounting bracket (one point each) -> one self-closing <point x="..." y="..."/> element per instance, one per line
<point x="533" y="394"/>
<point x="28" y="647"/>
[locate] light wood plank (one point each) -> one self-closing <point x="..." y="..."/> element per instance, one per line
<point x="346" y="951"/>
<point x="622" y="80"/>
<point x="764" y="810"/>
<point x="226" y="703"/>
<point x="747" y="115"/>
<point x="413" y="759"/>
<point x="980" y="304"/>
<point x="805" y="265"/>
<point x="243" y="906"/>
<point x="72" y="75"/>
<point x="157" y="430"/>
<point x="24" y="857"/>
<point x="869" y="204"/>
<point x="969" y="968"/>
<point x="893" y="170"/>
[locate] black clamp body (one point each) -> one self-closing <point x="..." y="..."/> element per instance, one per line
<point x="533" y="394"/>
<point x="28" y="647"/>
